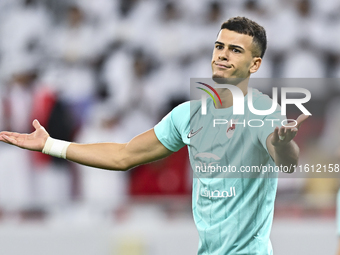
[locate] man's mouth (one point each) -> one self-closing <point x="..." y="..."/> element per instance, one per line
<point x="221" y="65"/>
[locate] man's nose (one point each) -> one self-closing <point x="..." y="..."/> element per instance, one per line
<point x="224" y="55"/>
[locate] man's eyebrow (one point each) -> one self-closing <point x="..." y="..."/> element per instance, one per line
<point x="217" y="42"/>
<point x="230" y="45"/>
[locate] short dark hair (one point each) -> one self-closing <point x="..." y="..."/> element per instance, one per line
<point x="243" y="25"/>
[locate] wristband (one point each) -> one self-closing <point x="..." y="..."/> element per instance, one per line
<point x="56" y="148"/>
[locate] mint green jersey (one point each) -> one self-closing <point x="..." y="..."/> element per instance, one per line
<point x="232" y="198"/>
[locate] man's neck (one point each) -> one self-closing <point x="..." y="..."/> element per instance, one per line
<point x="226" y="95"/>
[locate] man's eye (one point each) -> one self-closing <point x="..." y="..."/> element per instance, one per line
<point x="219" y="47"/>
<point x="236" y="50"/>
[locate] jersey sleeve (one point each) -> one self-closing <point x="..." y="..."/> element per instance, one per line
<point x="169" y="130"/>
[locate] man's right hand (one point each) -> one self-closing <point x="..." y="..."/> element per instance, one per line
<point x="142" y="149"/>
<point x="34" y="141"/>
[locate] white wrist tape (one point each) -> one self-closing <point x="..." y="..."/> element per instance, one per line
<point x="56" y="148"/>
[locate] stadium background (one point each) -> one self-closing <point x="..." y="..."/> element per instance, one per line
<point x="107" y="70"/>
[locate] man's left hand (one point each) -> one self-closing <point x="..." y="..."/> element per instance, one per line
<point x="283" y="135"/>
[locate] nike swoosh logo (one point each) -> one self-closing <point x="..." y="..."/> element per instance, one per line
<point x="191" y="134"/>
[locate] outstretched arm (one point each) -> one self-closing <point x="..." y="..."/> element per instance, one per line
<point x="142" y="149"/>
<point x="281" y="146"/>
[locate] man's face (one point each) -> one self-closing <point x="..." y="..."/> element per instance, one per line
<point x="232" y="56"/>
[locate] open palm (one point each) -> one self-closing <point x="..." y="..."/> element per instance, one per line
<point x="288" y="132"/>
<point x="34" y="141"/>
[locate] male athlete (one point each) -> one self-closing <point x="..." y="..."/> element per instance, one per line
<point x="232" y="215"/>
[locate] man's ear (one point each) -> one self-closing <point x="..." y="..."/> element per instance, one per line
<point x="256" y="63"/>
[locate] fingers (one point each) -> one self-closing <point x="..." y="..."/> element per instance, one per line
<point x="8" y="139"/>
<point x="291" y="133"/>
<point x="14" y="134"/>
<point x="36" y="124"/>
<point x="288" y="132"/>
<point x="276" y="134"/>
<point x="284" y="134"/>
<point x="301" y="119"/>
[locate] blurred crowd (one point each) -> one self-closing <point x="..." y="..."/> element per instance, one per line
<point x="107" y="70"/>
